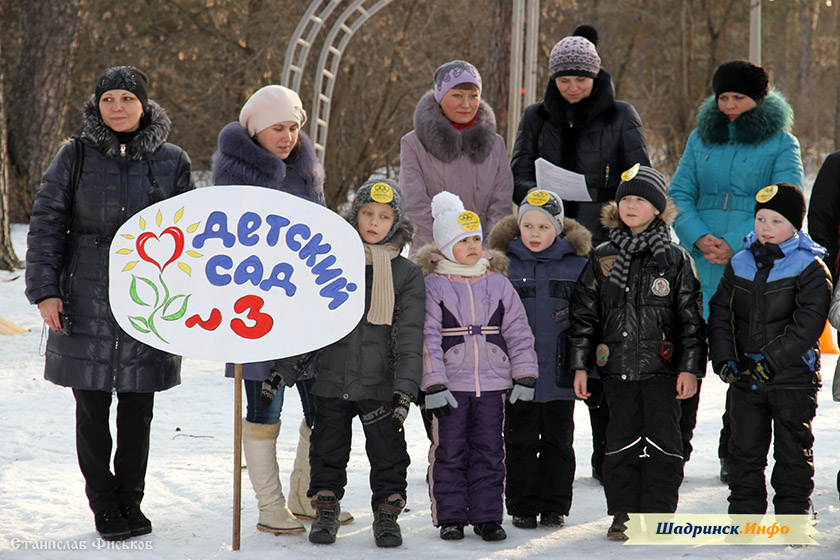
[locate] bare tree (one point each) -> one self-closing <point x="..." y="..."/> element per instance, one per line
<point x="37" y="95"/>
<point x="8" y="259"/>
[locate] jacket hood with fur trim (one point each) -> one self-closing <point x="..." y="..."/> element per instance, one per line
<point x="610" y="219"/>
<point x="444" y="141"/>
<point x="402" y="236"/>
<point x="427" y="257"/>
<point x="153" y="132"/>
<point x="508" y="229"/>
<point x="773" y="115"/>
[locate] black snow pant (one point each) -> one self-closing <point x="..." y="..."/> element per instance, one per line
<point x="643" y="465"/>
<point x="688" y="420"/>
<point x="599" y="416"/>
<point x="329" y="451"/>
<point x="540" y="457"/>
<point x="125" y="486"/>
<point x="755" y="414"/>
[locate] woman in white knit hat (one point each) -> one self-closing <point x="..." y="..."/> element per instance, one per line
<point x="267" y="148"/>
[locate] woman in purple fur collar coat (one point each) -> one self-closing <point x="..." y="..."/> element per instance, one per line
<point x="267" y="148"/>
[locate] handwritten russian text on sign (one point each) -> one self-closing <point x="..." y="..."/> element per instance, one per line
<point x="237" y="274"/>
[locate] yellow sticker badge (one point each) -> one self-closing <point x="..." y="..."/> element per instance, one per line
<point x="766" y="193"/>
<point x="630" y="173"/>
<point x="538" y="198"/>
<point x="469" y="220"/>
<point x="382" y="192"/>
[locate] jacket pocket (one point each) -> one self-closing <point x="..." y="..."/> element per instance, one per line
<point x="498" y="360"/>
<point x="453" y="360"/>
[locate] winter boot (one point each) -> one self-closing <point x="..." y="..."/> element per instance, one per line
<point x="111" y="525"/>
<point x="299" y="503"/>
<point x="325" y="527"/>
<point x="618" y="529"/>
<point x="386" y="531"/>
<point x="259" y="442"/>
<point x="490" y="531"/>
<point x="552" y="519"/>
<point x="453" y="531"/>
<point x="525" y="521"/>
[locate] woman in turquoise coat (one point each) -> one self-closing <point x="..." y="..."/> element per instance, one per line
<point x="742" y="143"/>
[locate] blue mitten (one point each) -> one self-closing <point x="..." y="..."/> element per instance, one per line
<point x="729" y="372"/>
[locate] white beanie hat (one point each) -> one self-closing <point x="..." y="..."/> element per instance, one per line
<point x="271" y="105"/>
<point x="452" y="222"/>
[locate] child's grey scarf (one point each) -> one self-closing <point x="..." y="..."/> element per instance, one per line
<point x="656" y="238"/>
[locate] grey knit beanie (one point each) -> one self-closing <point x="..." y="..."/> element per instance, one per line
<point x="548" y="203"/>
<point x="384" y="191"/>
<point x="574" y="56"/>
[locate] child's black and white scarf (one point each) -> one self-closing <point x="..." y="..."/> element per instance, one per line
<point x="656" y="238"/>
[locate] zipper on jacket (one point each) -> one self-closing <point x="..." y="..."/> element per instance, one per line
<point x="475" y="339"/>
<point x="114" y="362"/>
<point x="122" y="150"/>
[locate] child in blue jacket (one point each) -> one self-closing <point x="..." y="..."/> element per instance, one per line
<point x="547" y="253"/>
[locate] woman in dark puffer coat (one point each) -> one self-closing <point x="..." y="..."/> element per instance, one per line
<point x="127" y="166"/>
<point x="580" y="127"/>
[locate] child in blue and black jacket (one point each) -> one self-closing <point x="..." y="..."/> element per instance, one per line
<point x="765" y="322"/>
<point x="547" y="253"/>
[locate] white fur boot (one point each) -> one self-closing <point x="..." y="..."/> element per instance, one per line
<point x="299" y="502"/>
<point x="259" y="442"/>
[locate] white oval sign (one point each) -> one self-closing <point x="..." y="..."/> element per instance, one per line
<point x="237" y="274"/>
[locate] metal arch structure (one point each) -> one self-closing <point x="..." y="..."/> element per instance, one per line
<point x="336" y="41"/>
<point x="298" y="50"/>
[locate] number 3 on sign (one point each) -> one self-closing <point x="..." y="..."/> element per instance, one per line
<point x="262" y="321"/>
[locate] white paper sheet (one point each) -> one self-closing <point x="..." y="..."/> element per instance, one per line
<point x="568" y="184"/>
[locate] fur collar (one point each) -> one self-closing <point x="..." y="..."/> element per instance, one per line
<point x="771" y="116"/>
<point x="424" y="259"/>
<point x="610" y="219"/>
<point x="507" y="230"/>
<point x="599" y="104"/>
<point x="154" y="129"/>
<point x="444" y="141"/>
<point x="242" y="161"/>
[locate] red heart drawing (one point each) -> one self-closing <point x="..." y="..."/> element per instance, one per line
<point x="177" y="236"/>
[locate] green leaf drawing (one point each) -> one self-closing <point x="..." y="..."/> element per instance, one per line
<point x="140" y="324"/>
<point x="178" y="314"/>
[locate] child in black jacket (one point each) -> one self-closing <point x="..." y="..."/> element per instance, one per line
<point x="637" y="315"/>
<point x="765" y="322"/>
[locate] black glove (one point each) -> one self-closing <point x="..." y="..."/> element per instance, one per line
<point x="759" y="367"/>
<point x="729" y="372"/>
<point x="400" y="403"/>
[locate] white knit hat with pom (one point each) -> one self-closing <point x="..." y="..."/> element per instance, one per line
<point x="452" y="222"/>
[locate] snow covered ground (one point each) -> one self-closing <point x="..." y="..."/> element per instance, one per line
<point x="189" y="481"/>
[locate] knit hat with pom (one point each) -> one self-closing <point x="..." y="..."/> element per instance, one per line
<point x="574" y="56"/>
<point x="452" y="222"/>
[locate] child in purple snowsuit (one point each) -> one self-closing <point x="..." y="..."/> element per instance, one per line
<point x="477" y="346"/>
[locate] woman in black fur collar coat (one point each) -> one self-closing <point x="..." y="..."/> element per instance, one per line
<point x="127" y="165"/>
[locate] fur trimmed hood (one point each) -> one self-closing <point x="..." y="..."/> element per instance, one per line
<point x="773" y="115"/>
<point x="241" y="160"/>
<point x="610" y="219"/>
<point x="402" y="236"/>
<point x="428" y="256"/>
<point x="600" y="103"/>
<point x="153" y="132"/>
<point x="444" y="141"/>
<point x="507" y="230"/>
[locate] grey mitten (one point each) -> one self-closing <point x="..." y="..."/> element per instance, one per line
<point x="439" y="399"/>
<point x="523" y="389"/>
